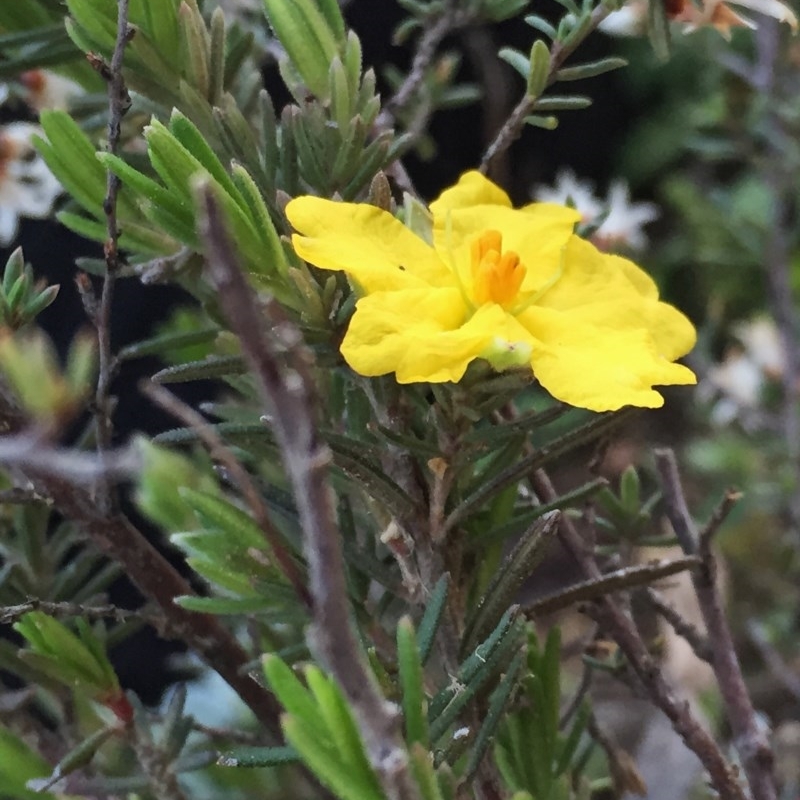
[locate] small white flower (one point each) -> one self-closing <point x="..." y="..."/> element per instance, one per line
<point x="620" y="220"/>
<point x="762" y="343"/>
<point x="630" y="20"/>
<point x="737" y="383"/>
<point x="721" y="16"/>
<point x="569" y="190"/>
<point x="45" y="89"/>
<point x="27" y="187"/>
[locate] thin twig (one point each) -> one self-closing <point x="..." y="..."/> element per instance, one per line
<point x="622" y="630"/>
<point x="9" y="614"/>
<point x="240" y="478"/>
<point x="620" y="579"/>
<point x="28" y="452"/>
<point x="282" y="370"/>
<point x="681" y="626"/>
<point x="119" y="102"/>
<point x="624" y="774"/>
<point x="450" y="19"/>
<point x="779" y="669"/>
<point x="750" y="737"/>
<point x="559" y="53"/>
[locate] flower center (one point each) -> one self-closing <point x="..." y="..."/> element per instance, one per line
<point x="496" y="275"/>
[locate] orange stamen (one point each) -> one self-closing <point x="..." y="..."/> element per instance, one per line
<point x="496" y="275"/>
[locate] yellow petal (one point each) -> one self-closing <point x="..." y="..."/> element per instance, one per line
<point x="610" y="293"/>
<point x="643" y="283"/>
<point x="471" y="190"/>
<point x="367" y="243"/>
<point x="421" y="335"/>
<point x="598" y="368"/>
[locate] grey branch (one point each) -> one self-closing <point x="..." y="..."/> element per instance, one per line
<point x="620" y="627"/>
<point x="750" y="738"/>
<point x="282" y="367"/>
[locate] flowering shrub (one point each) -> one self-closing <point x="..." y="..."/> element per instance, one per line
<point x="415" y="404"/>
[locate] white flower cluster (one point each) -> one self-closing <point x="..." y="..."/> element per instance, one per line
<point x="27" y="187"/>
<point x="618" y="221"/>
<point x="736" y="385"/>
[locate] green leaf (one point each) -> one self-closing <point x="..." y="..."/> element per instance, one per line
<point x="494" y="714"/>
<point x="424" y="773"/>
<point x="599" y="425"/>
<point x="429" y="624"/>
<point x="273" y="260"/>
<point x="195" y="143"/>
<point x="570" y="103"/>
<point x="309" y="42"/>
<point x="207" y="369"/>
<point x="71" y="158"/>
<point x="291" y="693"/>
<point x="411" y="684"/>
<point x="165" y="200"/>
<point x="18" y="765"/>
<point x="517" y="567"/>
<point x="569" y="746"/>
<point x="218" y="514"/>
<point x="161" y="21"/>
<point x="340" y="723"/>
<point x="232" y="606"/>
<point x="157" y="345"/>
<point x="258" y="757"/>
<point x="325" y="763"/>
<point x="447" y="705"/>
<point x="551" y="684"/>
<point x="68" y="658"/>
<point x="99" y="26"/>
<point x="590" y="69"/>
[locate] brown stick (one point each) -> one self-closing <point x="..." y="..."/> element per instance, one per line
<point x="749" y="737"/>
<point x="119" y="102"/>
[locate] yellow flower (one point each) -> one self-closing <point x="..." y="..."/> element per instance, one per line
<point x="512" y="286"/>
